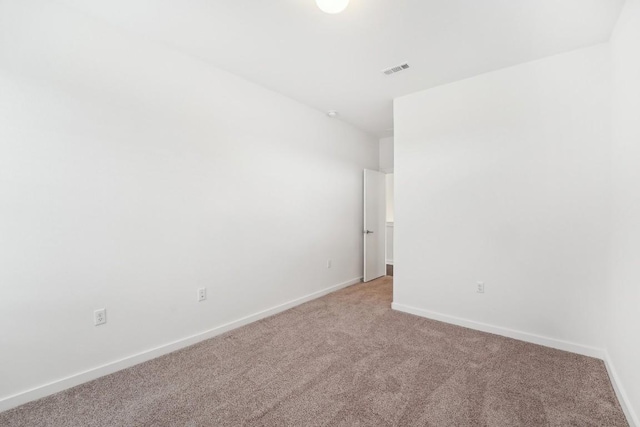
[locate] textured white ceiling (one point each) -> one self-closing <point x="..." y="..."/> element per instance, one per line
<point x="335" y="61"/>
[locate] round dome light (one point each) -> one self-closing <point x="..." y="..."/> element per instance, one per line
<point x="332" y="6"/>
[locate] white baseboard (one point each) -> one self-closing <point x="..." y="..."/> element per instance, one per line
<point x="623" y="398"/>
<point x="117" y="365"/>
<point x="598" y="353"/>
<point x="389" y="262"/>
<point x="505" y="332"/>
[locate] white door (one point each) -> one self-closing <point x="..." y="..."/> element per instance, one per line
<point x="374" y="224"/>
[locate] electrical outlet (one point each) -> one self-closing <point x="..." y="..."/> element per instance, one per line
<point x="202" y="294"/>
<point x="328" y="263"/>
<point x="480" y="287"/>
<point x="100" y="317"/>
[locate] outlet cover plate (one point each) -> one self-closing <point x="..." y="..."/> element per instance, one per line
<point x="100" y="317"/>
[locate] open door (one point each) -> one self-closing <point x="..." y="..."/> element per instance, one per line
<point x="374" y="224"/>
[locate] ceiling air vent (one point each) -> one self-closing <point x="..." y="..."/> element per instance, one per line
<point x="396" y="69"/>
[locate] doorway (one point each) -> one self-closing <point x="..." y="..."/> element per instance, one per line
<point x="378" y="225"/>
<point x="374" y="224"/>
<point x="390" y="209"/>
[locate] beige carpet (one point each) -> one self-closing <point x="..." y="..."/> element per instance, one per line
<point x="343" y="360"/>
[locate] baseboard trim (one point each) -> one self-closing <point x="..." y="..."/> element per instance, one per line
<point x="623" y="398"/>
<point x="598" y="353"/>
<point x="505" y="332"/>
<point x="126" y="362"/>
<point x="389" y="262"/>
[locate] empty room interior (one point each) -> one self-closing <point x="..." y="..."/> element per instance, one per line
<point x="319" y="213"/>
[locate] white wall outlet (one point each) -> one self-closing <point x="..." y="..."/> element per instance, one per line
<point x="202" y="294"/>
<point x="480" y="288"/>
<point x="329" y="263"/>
<point x="100" y="317"/>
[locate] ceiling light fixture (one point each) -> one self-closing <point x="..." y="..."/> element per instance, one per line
<point x="332" y="113"/>
<point x="332" y="6"/>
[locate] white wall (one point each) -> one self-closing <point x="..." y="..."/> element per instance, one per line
<point x="390" y="215"/>
<point x="623" y="337"/>
<point x="386" y="165"/>
<point x="386" y="155"/>
<point x="131" y="175"/>
<point x="505" y="179"/>
<point x="390" y="197"/>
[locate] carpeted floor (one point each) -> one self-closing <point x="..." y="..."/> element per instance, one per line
<point x="343" y="360"/>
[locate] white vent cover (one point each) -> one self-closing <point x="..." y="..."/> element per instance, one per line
<point x="396" y="69"/>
